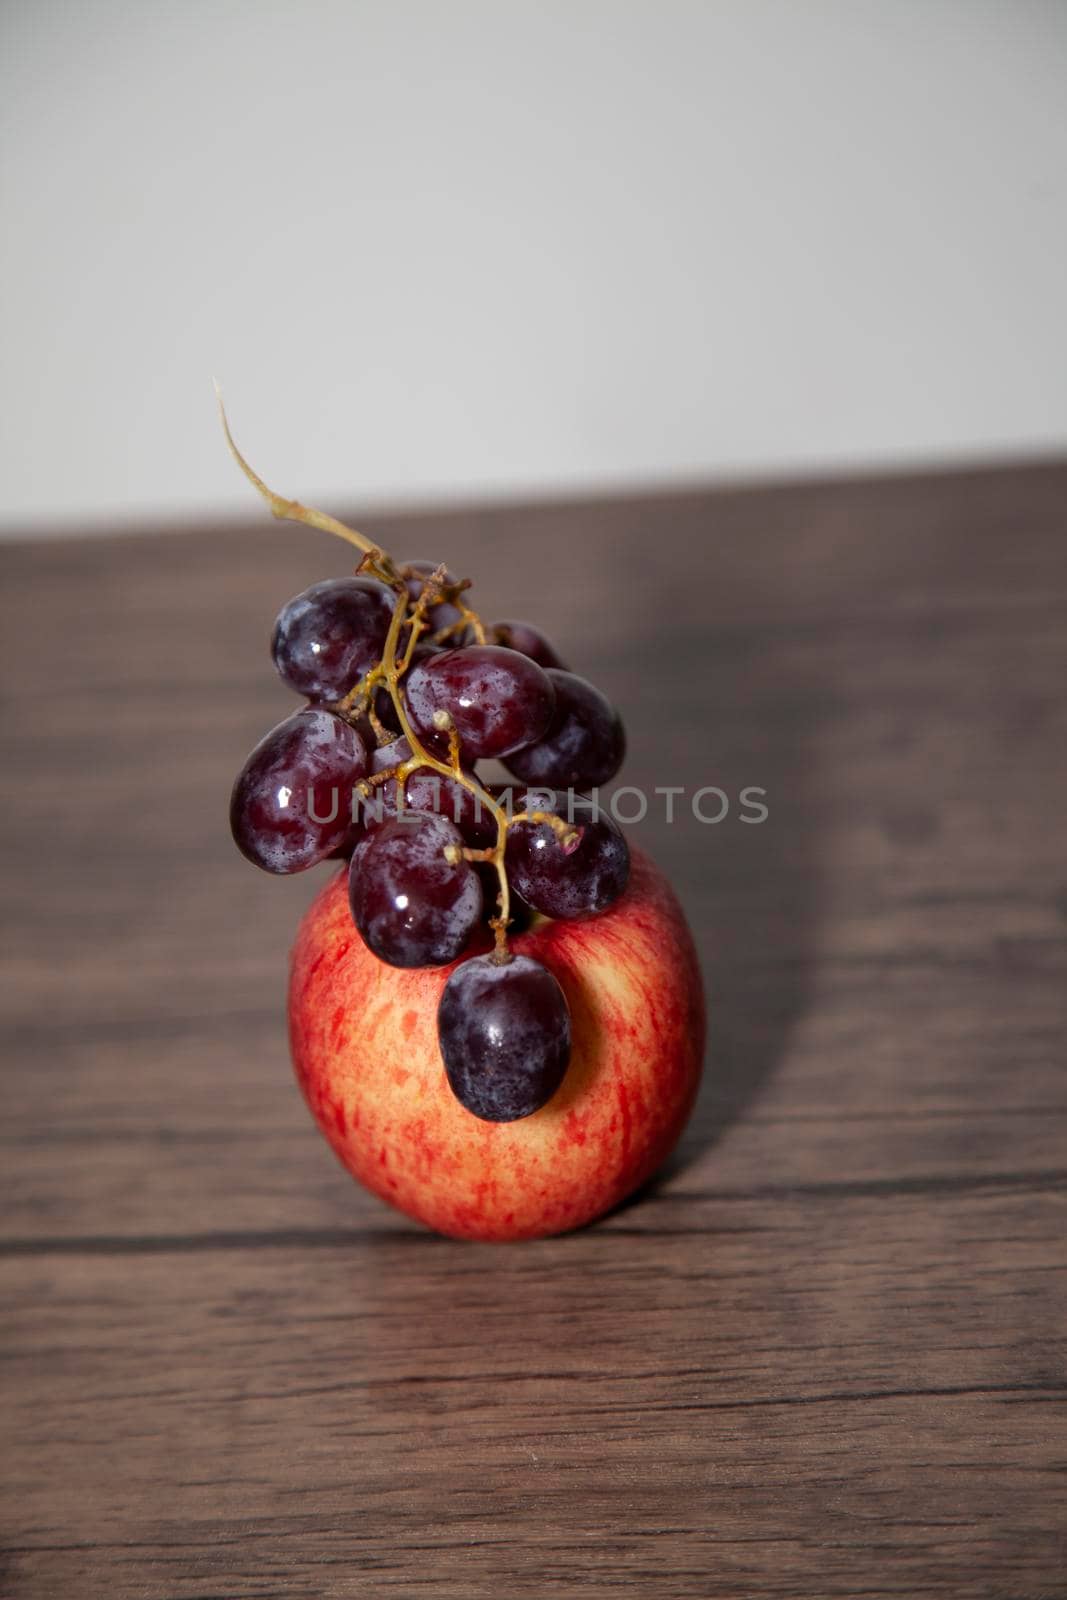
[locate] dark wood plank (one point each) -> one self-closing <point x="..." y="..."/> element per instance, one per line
<point x="823" y="1354"/>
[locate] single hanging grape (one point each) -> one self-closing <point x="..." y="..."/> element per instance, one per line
<point x="505" y="1036"/>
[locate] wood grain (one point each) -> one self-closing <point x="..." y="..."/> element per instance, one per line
<point x="824" y="1354"/>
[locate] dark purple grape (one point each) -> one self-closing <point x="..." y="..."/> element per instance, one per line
<point x="577" y="882"/>
<point x="427" y="791"/>
<point x="498" y="699"/>
<point x="326" y="638"/>
<point x="313" y="756"/>
<point x="444" y="613"/>
<point x="505" y="1036"/>
<point x="528" y="640"/>
<point x="383" y="700"/>
<point x="584" y="745"/>
<point x="413" y="907"/>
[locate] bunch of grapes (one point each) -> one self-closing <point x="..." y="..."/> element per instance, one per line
<point x="406" y="691"/>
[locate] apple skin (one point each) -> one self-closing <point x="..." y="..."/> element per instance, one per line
<point x="364" y="1045"/>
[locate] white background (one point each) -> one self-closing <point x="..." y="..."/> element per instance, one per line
<point x="470" y="248"/>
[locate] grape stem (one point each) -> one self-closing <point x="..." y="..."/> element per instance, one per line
<point x="567" y="835"/>
<point x="389" y="671"/>
<point x="452" y="768"/>
<point x="293" y="511"/>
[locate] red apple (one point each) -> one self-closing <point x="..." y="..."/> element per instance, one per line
<point x="364" y="1043"/>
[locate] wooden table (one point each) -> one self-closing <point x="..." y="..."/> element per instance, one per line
<point x="824" y="1355"/>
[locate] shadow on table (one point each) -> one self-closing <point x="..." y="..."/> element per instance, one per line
<point x="743" y="704"/>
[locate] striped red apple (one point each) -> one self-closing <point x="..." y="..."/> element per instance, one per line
<point x="365" y="1049"/>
